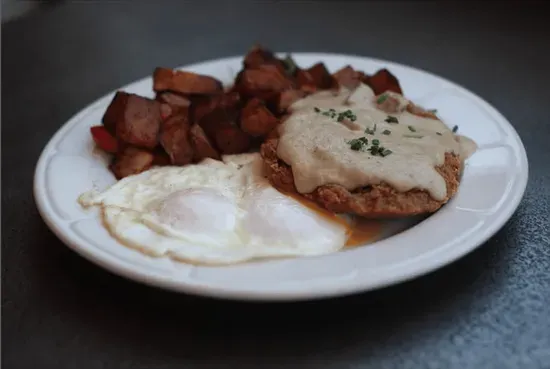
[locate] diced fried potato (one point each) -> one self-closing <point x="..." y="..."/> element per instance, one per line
<point x="321" y="77"/>
<point x="200" y="106"/>
<point x="104" y="140"/>
<point x="257" y="56"/>
<point x="173" y="99"/>
<point x="175" y="139"/>
<point x="202" y="147"/>
<point x="175" y="102"/>
<point x="131" y="160"/>
<point x="232" y="140"/>
<point x="220" y="127"/>
<point x="165" y="79"/>
<point x="274" y="134"/>
<point x="115" y="111"/>
<point x="165" y="111"/>
<point x="237" y="81"/>
<point x="364" y="78"/>
<point x="160" y="157"/>
<point x="256" y="119"/>
<point x="213" y="121"/>
<point x="230" y="100"/>
<point x="264" y="82"/>
<point x="305" y="81"/>
<point x="136" y="119"/>
<point x="287" y="98"/>
<point x="383" y="81"/>
<point x="348" y="77"/>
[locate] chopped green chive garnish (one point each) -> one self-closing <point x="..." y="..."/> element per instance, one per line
<point x="382" y="98"/>
<point x="386" y="132"/>
<point x="347" y="114"/>
<point x="412" y="129"/>
<point x="455" y="128"/>
<point x="356" y="146"/>
<point x="358" y="143"/>
<point x="413" y="136"/>
<point x="433" y="111"/>
<point x="339" y="116"/>
<point x="439" y="133"/>
<point x="361" y="143"/>
<point x="391" y="119"/>
<point x="373" y="150"/>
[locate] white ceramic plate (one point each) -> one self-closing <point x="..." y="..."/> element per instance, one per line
<point x="493" y="184"/>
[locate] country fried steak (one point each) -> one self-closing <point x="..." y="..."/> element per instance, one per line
<point x="373" y="201"/>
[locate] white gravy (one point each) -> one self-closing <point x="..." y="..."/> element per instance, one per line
<point x="318" y="147"/>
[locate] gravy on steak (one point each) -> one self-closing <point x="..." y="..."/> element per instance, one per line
<point x="331" y="138"/>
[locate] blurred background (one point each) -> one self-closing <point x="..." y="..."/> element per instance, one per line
<point x="11" y="9"/>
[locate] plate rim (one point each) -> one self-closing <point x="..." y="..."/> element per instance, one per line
<point x="331" y="290"/>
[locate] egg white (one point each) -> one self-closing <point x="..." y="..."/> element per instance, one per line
<point x="213" y="213"/>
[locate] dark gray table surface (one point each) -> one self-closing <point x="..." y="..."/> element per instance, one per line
<point x="491" y="309"/>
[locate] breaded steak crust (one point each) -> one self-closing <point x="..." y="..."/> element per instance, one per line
<point x="374" y="201"/>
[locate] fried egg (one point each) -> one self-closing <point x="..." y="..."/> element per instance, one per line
<point x="214" y="212"/>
